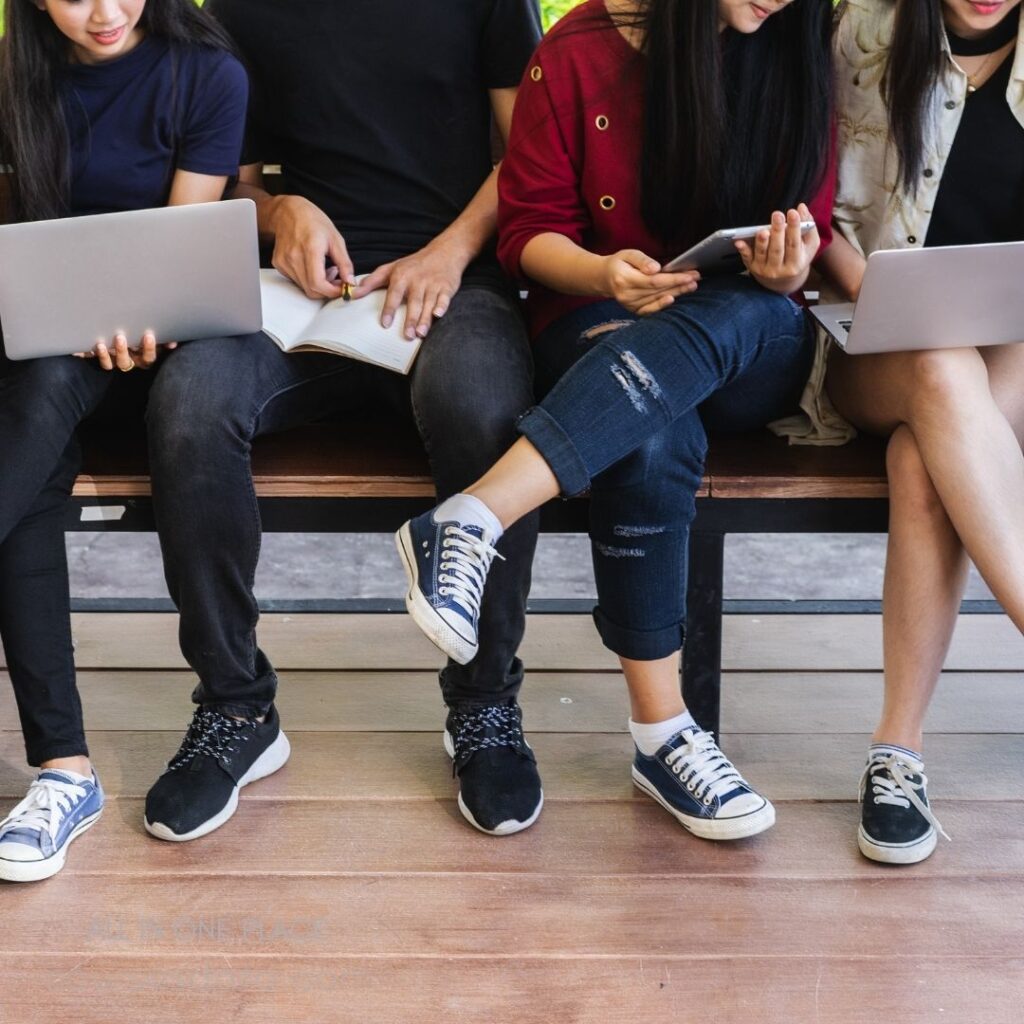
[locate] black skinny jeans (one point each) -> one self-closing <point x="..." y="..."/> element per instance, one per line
<point x="42" y="403"/>
<point x="471" y="380"/>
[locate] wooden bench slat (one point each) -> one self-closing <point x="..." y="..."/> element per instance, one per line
<point x="764" y="466"/>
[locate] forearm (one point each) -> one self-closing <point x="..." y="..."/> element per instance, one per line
<point x="843" y="266"/>
<point x="558" y="263"/>
<point x="466" y="236"/>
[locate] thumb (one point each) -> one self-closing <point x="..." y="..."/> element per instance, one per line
<point x="640" y="261"/>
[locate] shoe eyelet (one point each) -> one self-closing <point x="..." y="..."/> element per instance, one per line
<point x="707" y="801"/>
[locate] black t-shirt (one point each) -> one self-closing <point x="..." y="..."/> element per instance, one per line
<point x="981" y="196"/>
<point x="378" y="110"/>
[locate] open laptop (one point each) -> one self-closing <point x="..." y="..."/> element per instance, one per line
<point x="183" y="272"/>
<point x="945" y="297"/>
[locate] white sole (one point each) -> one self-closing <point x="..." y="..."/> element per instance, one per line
<point x="910" y="853"/>
<point x="712" y="828"/>
<point x="271" y="760"/>
<point x="37" y="870"/>
<point x="436" y="630"/>
<point x="506" y="828"/>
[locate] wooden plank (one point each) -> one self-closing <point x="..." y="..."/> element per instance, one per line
<point x="594" y="766"/>
<point x="323" y="461"/>
<point x="529" y="915"/>
<point x="575" y="702"/>
<point x="780" y="643"/>
<point x="353" y="459"/>
<point x="752" y="643"/>
<point x="247" y="988"/>
<point x="150" y="641"/>
<point x="630" y="837"/>
<point x="763" y="466"/>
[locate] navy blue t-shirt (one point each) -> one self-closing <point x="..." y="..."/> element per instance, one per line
<point x="133" y="121"/>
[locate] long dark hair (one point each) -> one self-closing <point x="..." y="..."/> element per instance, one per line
<point x="735" y="126"/>
<point x="915" y="64"/>
<point x="33" y="129"/>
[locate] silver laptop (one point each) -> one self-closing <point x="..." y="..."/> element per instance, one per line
<point x="184" y="272"/>
<point x="944" y="297"/>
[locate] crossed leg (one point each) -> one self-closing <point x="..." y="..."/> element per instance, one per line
<point x="956" y="481"/>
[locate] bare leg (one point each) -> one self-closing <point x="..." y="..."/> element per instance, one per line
<point x="654" y="694"/>
<point x="925" y="566"/>
<point x="519" y="482"/>
<point x="966" y="443"/>
<point x="81" y="765"/>
<point x="925" y="574"/>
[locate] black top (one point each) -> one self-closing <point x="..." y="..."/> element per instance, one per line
<point x="135" y="120"/>
<point x="378" y="110"/>
<point x="981" y="197"/>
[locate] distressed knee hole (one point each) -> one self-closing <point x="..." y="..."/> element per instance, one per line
<point x="638" y="531"/>
<point x="610" y="551"/>
<point x="595" y="332"/>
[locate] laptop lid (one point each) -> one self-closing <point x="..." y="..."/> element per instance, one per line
<point x="184" y="272"/>
<point x="944" y="297"/>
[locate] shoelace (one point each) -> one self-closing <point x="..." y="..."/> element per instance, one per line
<point x="704" y="769"/>
<point x="485" y="728"/>
<point x="44" y="807"/>
<point x="211" y="733"/>
<point x="465" y="562"/>
<point x="897" y="789"/>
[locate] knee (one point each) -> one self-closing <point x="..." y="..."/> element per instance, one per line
<point x="943" y="379"/>
<point x="659" y="479"/>
<point x="189" y="413"/>
<point x="910" y="485"/>
<point x="54" y="389"/>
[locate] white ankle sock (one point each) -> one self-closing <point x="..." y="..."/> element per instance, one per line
<point x="464" y="508"/>
<point x="650" y="737"/>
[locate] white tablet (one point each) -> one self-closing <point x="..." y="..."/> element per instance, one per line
<point x="717" y="253"/>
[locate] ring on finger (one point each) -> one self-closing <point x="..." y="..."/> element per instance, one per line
<point x="129" y="367"/>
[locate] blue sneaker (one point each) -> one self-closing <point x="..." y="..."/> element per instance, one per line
<point x="35" y="836"/>
<point x="698" y="785"/>
<point x="447" y="565"/>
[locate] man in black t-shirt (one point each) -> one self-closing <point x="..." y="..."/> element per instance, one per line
<point x="379" y="113"/>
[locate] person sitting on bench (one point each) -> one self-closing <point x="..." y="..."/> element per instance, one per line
<point x="380" y="116"/>
<point x="105" y="105"/>
<point x="931" y="92"/>
<point x="640" y="364"/>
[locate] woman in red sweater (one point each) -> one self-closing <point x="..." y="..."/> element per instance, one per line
<point x="640" y="128"/>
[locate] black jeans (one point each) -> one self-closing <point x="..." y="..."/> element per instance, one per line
<point x="627" y="414"/>
<point x="42" y="402"/>
<point x="471" y="380"/>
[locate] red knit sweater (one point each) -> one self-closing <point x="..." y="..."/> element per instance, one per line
<point x="571" y="165"/>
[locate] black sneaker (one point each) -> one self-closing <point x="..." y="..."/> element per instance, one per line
<point x="499" y="786"/>
<point x="896" y="822"/>
<point x="219" y="755"/>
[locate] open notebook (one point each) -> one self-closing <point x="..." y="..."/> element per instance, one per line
<point x="300" y="324"/>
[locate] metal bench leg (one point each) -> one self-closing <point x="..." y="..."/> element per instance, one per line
<point x="702" y="655"/>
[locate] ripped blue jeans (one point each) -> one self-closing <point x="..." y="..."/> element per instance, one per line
<point x="630" y="406"/>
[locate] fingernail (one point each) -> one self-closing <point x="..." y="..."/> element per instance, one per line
<point x="421" y="331"/>
<point x="386" y="321"/>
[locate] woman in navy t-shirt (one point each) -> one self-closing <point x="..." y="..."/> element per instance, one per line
<point x="105" y="105"/>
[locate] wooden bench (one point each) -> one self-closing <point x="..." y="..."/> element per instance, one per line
<point x="357" y="478"/>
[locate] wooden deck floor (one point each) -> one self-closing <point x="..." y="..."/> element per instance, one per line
<point x="348" y="888"/>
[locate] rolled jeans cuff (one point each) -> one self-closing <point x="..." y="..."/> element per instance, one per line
<point x="640" y="644"/>
<point x="562" y="456"/>
<point x="37" y="754"/>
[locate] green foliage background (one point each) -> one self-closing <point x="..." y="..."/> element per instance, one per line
<point x="554" y="10"/>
